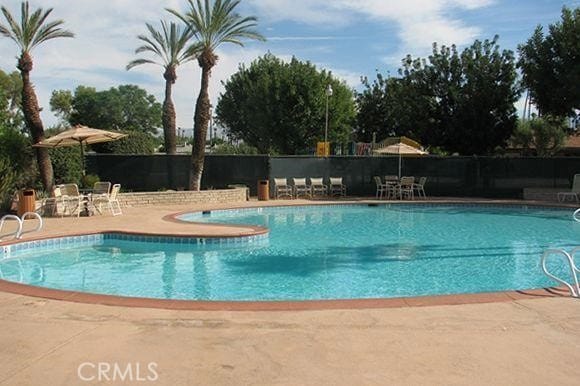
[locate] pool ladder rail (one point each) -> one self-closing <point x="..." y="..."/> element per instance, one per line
<point x="574" y="287"/>
<point x="19" y="232"/>
<point x="576" y="215"/>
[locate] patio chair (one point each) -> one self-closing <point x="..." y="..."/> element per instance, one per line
<point x="393" y="188"/>
<point x="110" y="200"/>
<point x="301" y="188"/>
<point x="337" y="187"/>
<point x="406" y="188"/>
<point x="318" y="187"/>
<point x="100" y="189"/>
<point x="281" y="188"/>
<point x="573" y="193"/>
<point x="382" y="187"/>
<point x="72" y="199"/>
<point x="419" y="187"/>
<point x="50" y="205"/>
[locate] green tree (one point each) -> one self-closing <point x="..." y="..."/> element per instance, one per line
<point x="213" y="25"/>
<point x="10" y="99"/>
<point x="544" y="135"/>
<point x="229" y="149"/>
<point x="61" y="104"/>
<point x="459" y="102"/>
<point x="171" y="46"/>
<point x="279" y="107"/>
<point x="136" y="142"/>
<point x="33" y="30"/>
<point x="391" y="106"/>
<point x="16" y="156"/>
<point x="126" y="108"/>
<point x="550" y="66"/>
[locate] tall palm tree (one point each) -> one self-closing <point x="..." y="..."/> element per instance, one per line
<point x="170" y="44"/>
<point x="32" y="31"/>
<point x="212" y="24"/>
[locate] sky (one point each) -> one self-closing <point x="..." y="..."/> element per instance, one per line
<point x="351" y="38"/>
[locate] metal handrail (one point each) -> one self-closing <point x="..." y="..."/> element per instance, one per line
<point x="574" y="288"/>
<point x="11" y="217"/>
<point x="576" y="215"/>
<point x="38" y="227"/>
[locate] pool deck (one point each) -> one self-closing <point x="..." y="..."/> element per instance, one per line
<point x="533" y="339"/>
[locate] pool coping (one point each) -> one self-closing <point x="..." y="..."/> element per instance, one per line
<point x="306" y="305"/>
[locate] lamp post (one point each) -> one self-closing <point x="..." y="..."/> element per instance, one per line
<point x="328" y="95"/>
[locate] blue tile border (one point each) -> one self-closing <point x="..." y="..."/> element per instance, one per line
<point x="99" y="239"/>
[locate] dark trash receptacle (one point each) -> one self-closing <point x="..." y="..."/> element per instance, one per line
<point x="263" y="190"/>
<point x="26" y="201"/>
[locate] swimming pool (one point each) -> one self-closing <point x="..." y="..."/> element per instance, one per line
<point x="314" y="252"/>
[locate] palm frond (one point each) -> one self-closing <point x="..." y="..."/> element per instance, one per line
<point x="50" y="31"/>
<point x="33" y="28"/>
<point x="169" y="44"/>
<point x="138" y="62"/>
<point x="217" y="23"/>
<point x="13" y="30"/>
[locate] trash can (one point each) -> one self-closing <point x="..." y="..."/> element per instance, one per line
<point x="263" y="190"/>
<point x="26" y="201"/>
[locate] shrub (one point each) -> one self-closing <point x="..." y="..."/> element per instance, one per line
<point x="89" y="181"/>
<point x="66" y="163"/>
<point x="16" y="152"/>
<point x="226" y="148"/>
<point x="7" y="184"/>
<point x="544" y="135"/>
<point x="137" y="142"/>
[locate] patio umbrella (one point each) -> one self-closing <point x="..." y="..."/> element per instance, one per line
<point x="401" y="146"/>
<point x="80" y="135"/>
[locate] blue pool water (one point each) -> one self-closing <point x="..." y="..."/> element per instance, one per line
<point x="320" y="252"/>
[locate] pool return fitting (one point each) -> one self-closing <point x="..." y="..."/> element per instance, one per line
<point x="20" y="228"/>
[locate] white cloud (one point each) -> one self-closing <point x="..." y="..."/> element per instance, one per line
<point x="419" y="22"/>
<point x="106" y="38"/>
<point x="317" y="12"/>
<point x="104" y="43"/>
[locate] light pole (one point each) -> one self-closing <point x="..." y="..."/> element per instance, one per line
<point x="328" y="95"/>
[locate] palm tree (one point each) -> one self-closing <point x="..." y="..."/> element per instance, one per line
<point x="212" y="25"/>
<point x="170" y="45"/>
<point x="32" y="31"/>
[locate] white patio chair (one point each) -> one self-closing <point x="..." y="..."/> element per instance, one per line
<point x="382" y="188"/>
<point x="100" y="190"/>
<point x="419" y="187"/>
<point x="281" y="188"/>
<point x="72" y="199"/>
<point x="406" y="188"/>
<point x="50" y="205"/>
<point x="301" y="188"/>
<point x="573" y="193"/>
<point x="337" y="187"/>
<point x="318" y="187"/>
<point x="110" y="200"/>
<point x="393" y="186"/>
<point x="102" y="187"/>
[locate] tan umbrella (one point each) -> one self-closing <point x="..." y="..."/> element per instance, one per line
<point x="80" y="135"/>
<point x="401" y="146"/>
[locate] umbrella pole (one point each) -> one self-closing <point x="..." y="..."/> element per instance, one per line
<point x="400" y="158"/>
<point x="82" y="158"/>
